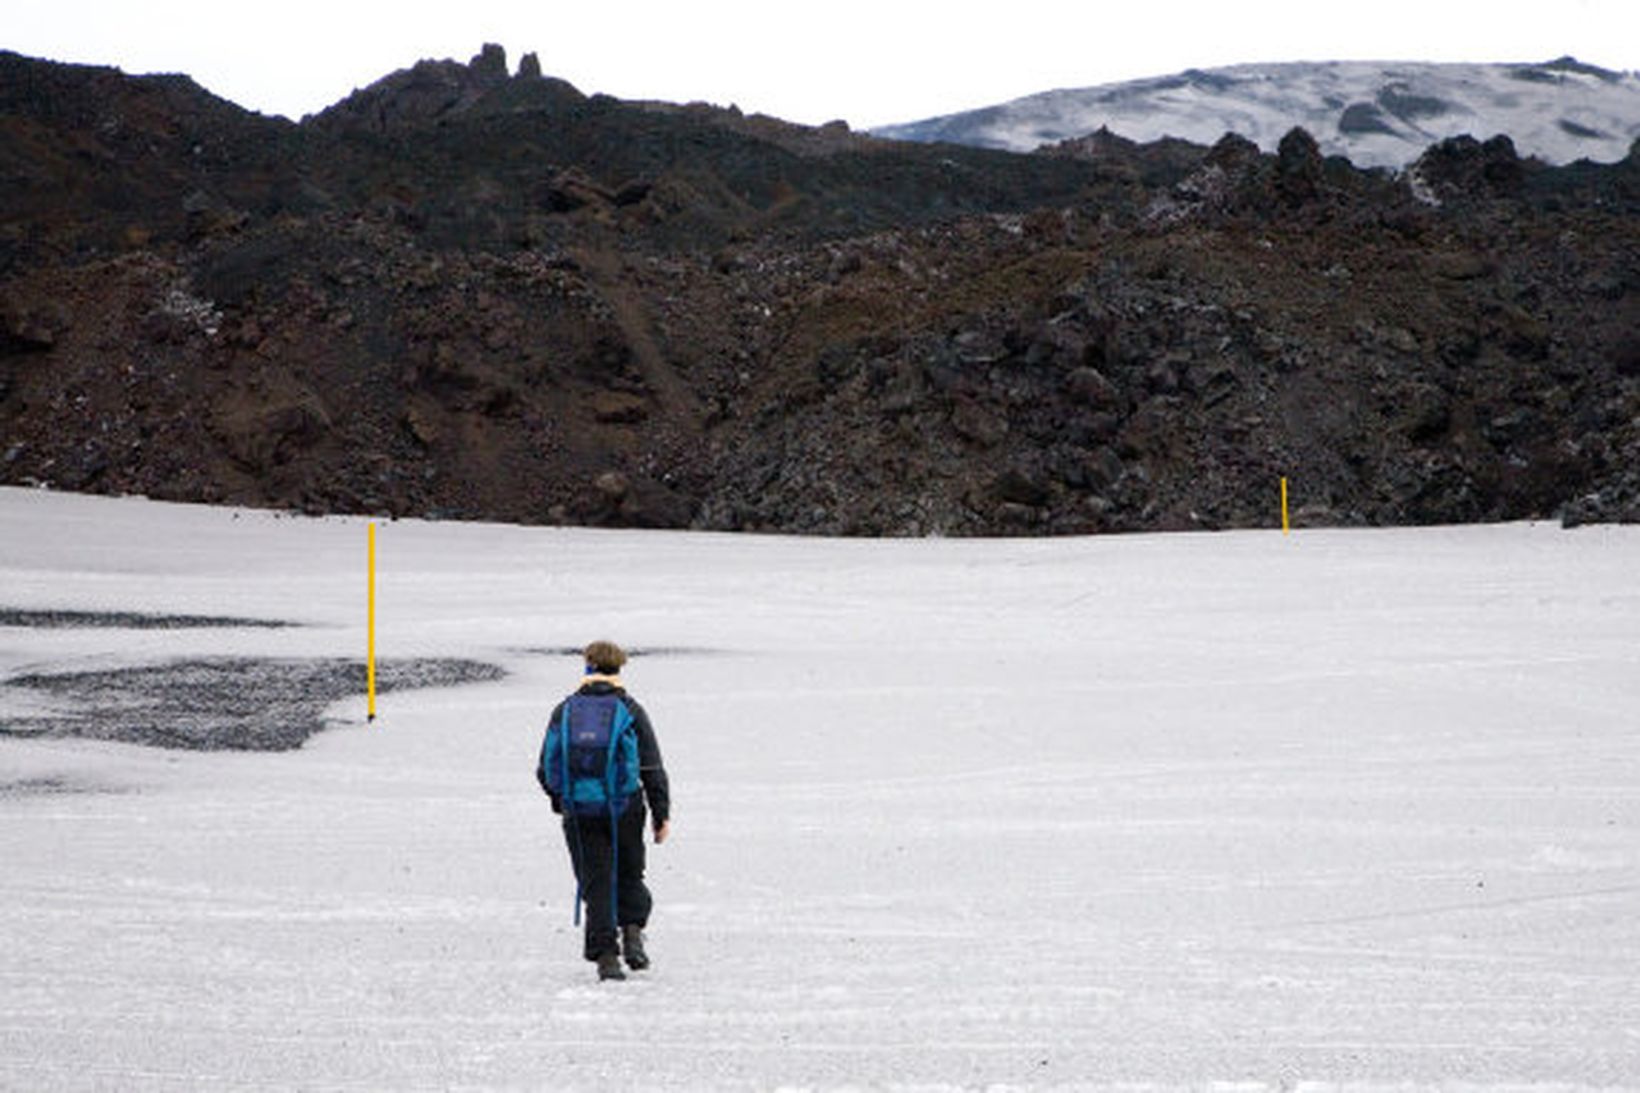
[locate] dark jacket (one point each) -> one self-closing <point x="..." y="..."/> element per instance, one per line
<point x="651" y="770"/>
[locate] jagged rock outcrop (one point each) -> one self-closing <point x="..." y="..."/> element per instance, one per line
<point x="1298" y="168"/>
<point x="435" y="91"/>
<point x="1462" y="167"/>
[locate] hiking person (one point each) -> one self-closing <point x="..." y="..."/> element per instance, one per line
<point x="599" y="762"/>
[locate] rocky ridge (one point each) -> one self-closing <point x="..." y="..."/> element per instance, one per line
<point x="474" y="294"/>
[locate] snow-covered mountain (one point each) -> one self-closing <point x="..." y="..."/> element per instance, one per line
<point x="1380" y="114"/>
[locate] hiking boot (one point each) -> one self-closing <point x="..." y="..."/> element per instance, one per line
<point x="609" y="966"/>
<point x="632" y="942"/>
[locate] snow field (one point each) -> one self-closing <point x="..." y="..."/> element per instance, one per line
<point x="1341" y="810"/>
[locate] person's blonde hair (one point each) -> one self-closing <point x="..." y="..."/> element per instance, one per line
<point x="605" y="656"/>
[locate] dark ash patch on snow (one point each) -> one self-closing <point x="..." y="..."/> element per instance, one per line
<point x="126" y="620"/>
<point x="49" y="787"/>
<point x="222" y="703"/>
<point x="631" y="651"/>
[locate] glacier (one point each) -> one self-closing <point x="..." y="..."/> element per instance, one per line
<point x="1378" y="114"/>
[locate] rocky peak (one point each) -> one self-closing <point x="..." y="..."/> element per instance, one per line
<point x="1097" y="145"/>
<point x="490" y="64"/>
<point x="1464" y="167"/>
<point x="1233" y="153"/>
<point x="432" y="91"/>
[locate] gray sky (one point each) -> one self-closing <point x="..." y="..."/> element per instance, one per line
<point x="869" y="63"/>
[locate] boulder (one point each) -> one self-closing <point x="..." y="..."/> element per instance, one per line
<point x="1461" y="265"/>
<point x="1233" y="154"/>
<point x="29" y="330"/>
<point x="1298" y="167"/>
<point x="612" y="485"/>
<point x="1625" y="355"/>
<point x="1464" y="167"/>
<point x="652" y="504"/>
<point x="421" y="426"/>
<point x="1016" y="487"/>
<point x="263" y="432"/>
<point x="205" y="216"/>
<point x="978" y="424"/>
<point x="619" y="408"/>
<point x="1426" y="413"/>
<point x="570" y="190"/>
<point x="1089" y="387"/>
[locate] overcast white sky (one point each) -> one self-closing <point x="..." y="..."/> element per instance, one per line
<point x="870" y="63"/>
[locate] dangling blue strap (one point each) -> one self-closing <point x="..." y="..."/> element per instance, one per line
<point x="616" y="731"/>
<point x="569" y="807"/>
<point x="614" y="871"/>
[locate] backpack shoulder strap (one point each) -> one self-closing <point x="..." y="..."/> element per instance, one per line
<point x="621" y="725"/>
<point x="563" y="746"/>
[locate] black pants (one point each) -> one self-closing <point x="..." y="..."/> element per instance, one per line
<point x="593" y="855"/>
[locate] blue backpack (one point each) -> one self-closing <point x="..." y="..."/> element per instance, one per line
<point x="590" y="756"/>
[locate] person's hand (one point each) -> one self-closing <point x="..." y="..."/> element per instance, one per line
<point x="662" y="831"/>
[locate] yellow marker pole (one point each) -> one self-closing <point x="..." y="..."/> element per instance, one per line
<point x="1286" y="527"/>
<point x="370" y="628"/>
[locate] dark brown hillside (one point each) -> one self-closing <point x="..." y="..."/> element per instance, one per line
<point x="469" y="293"/>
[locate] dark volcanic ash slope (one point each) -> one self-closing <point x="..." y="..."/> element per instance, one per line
<point x="476" y="294"/>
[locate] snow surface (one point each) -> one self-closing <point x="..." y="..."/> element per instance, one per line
<point x="1556" y="112"/>
<point x="1357" y="809"/>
